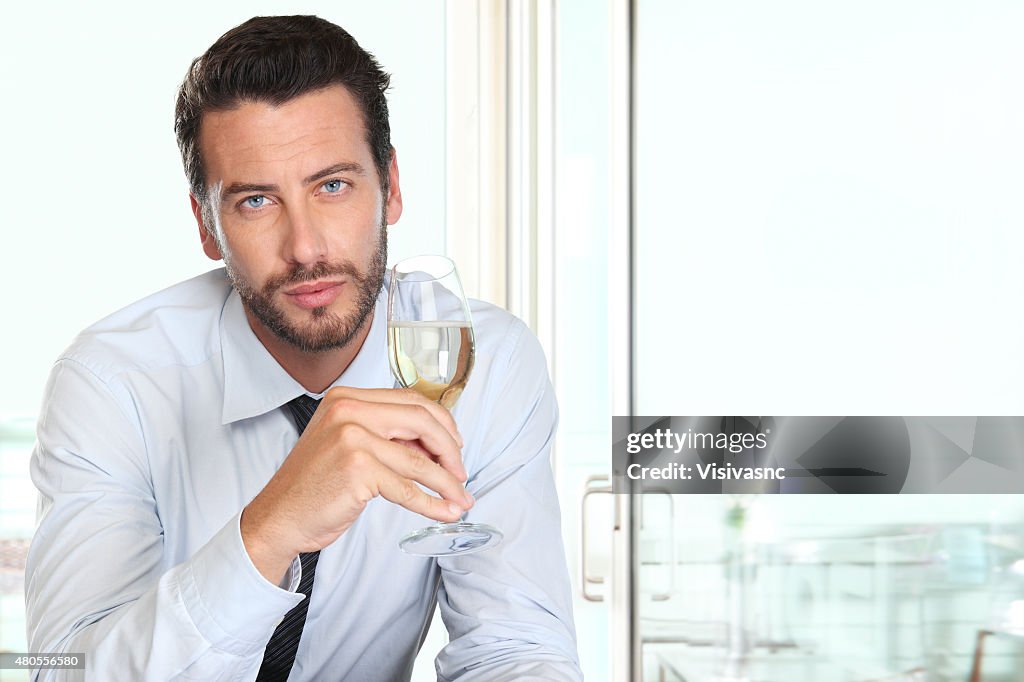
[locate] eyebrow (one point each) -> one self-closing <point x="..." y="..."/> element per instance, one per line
<point x="245" y="187"/>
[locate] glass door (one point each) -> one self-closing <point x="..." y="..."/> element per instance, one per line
<point x="823" y="588"/>
<point x="826" y="220"/>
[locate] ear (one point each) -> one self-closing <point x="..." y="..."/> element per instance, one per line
<point x="394" y="202"/>
<point x="210" y="247"/>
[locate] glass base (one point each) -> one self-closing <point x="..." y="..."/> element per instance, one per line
<point x="447" y="539"/>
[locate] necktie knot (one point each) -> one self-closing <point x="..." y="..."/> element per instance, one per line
<point x="302" y="409"/>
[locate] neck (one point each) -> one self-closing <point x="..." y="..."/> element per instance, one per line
<point x="315" y="371"/>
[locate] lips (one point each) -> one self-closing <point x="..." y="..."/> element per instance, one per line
<point x="314" y="294"/>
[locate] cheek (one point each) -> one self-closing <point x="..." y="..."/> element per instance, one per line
<point x="357" y="241"/>
<point x="373" y="249"/>
<point x="248" y="260"/>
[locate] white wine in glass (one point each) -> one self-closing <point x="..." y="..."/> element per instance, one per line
<point x="432" y="358"/>
<point x="431" y="349"/>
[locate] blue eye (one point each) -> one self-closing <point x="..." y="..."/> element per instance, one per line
<point x="255" y="201"/>
<point x="333" y="186"/>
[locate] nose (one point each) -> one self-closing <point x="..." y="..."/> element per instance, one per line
<point x="305" y="243"/>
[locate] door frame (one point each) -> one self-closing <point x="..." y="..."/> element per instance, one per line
<point x="625" y="641"/>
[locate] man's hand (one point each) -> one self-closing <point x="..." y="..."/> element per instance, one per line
<point x="360" y="443"/>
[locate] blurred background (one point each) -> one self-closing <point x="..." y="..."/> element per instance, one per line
<point x="792" y="207"/>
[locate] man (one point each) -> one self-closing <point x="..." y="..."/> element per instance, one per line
<point x="185" y="519"/>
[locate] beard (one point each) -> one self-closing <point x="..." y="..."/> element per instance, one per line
<point x="324" y="330"/>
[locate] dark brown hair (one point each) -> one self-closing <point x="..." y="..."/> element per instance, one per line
<point x="274" y="60"/>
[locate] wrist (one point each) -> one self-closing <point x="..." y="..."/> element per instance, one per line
<point x="266" y="552"/>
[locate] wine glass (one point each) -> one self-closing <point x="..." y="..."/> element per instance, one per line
<point x="431" y="349"/>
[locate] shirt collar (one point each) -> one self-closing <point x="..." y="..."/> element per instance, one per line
<point x="254" y="382"/>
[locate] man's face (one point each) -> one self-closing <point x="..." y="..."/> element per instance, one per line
<point x="301" y="217"/>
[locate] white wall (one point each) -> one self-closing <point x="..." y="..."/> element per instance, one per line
<point x="96" y="211"/>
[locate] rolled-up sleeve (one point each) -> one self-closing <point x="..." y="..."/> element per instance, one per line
<point x="95" y="581"/>
<point x="508" y="610"/>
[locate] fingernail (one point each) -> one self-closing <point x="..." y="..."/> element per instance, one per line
<point x="454" y="509"/>
<point x="469" y="497"/>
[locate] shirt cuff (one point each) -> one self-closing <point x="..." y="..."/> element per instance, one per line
<point x="291" y="579"/>
<point x="234" y="607"/>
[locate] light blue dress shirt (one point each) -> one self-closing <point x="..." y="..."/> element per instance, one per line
<point x="161" y="422"/>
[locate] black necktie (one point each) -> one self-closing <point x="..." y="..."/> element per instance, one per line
<point x="280" y="654"/>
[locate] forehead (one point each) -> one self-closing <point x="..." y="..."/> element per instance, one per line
<point x="304" y="134"/>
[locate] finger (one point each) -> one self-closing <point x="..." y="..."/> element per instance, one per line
<point x="461" y="474"/>
<point x="415" y="445"/>
<point x="414" y="465"/>
<point x="401" y="421"/>
<point x="401" y="396"/>
<point x="406" y="493"/>
<point x="413" y="423"/>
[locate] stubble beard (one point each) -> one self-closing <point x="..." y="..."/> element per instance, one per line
<point x="323" y="330"/>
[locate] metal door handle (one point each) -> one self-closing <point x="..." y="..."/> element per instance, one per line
<point x="590" y="488"/>
<point x="665" y="596"/>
